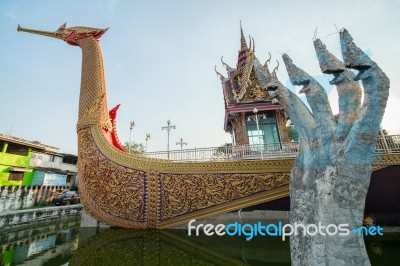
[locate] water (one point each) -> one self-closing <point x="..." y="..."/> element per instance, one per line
<point x="50" y="244"/>
<point x="67" y="244"/>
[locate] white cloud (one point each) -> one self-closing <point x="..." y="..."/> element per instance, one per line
<point x="119" y="65"/>
<point x="109" y="5"/>
<point x="9" y="15"/>
<point x="333" y="98"/>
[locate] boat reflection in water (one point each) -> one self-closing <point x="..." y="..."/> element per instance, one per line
<point x="67" y="244"/>
<point x="175" y="247"/>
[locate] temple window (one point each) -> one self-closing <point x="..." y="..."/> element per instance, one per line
<point x="268" y="130"/>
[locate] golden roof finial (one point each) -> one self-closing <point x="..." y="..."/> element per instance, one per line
<point x="228" y="68"/>
<point x="249" y="42"/>
<point x="269" y="59"/>
<point x="219" y="74"/>
<point x="275" y="69"/>
<point x="242" y="38"/>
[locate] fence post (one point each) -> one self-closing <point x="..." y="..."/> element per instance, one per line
<point x="384" y="141"/>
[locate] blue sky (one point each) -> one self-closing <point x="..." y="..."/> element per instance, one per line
<point x="159" y="58"/>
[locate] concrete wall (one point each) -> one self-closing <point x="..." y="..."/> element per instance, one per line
<point x="20" y="197"/>
<point x="21" y="217"/>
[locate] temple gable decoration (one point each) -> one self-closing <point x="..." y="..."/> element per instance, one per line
<point x="244" y="91"/>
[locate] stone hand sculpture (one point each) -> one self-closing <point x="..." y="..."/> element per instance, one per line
<point x="330" y="178"/>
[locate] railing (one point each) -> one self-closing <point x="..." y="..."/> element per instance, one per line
<point x="224" y="153"/>
<point x="386" y="144"/>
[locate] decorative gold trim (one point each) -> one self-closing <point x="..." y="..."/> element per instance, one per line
<point x="281" y="121"/>
<point x="153" y="198"/>
<point x="384" y="160"/>
<point x="227" y="207"/>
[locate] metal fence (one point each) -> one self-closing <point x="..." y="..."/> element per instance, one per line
<point x="387" y="144"/>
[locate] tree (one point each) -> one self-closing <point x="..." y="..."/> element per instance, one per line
<point x="224" y="150"/>
<point x="135" y="148"/>
<point x="292" y="132"/>
<point x="331" y="174"/>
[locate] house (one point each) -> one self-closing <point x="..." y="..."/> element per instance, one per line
<point x="27" y="163"/>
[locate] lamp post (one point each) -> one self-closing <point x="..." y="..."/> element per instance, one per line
<point x="168" y="127"/>
<point x="132" y="125"/>
<point x="181" y="143"/>
<point x="256" y="118"/>
<point x="147" y="138"/>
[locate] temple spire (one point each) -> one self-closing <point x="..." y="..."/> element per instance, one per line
<point x="243" y="42"/>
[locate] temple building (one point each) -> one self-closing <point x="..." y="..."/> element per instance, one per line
<point x="250" y="116"/>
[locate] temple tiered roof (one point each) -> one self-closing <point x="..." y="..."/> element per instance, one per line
<point x="242" y="89"/>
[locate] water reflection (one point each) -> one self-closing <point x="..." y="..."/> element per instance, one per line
<point x="68" y="244"/>
<point x="130" y="247"/>
<point x="384" y="250"/>
<point x="175" y="247"/>
<point x="49" y="244"/>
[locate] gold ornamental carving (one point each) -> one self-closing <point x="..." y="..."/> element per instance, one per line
<point x="281" y="121"/>
<point x="183" y="194"/>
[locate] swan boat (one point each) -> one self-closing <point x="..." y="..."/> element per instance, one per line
<point x="130" y="191"/>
